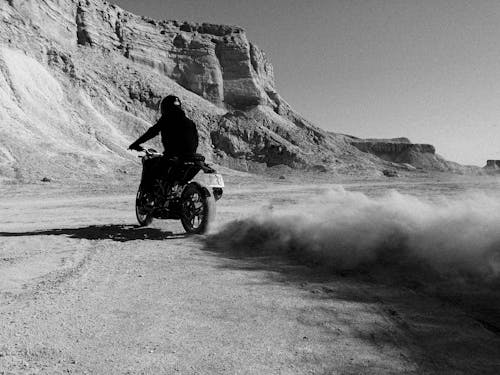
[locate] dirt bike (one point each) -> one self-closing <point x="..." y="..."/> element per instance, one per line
<point x="191" y="202"/>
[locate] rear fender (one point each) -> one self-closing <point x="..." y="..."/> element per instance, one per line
<point x="205" y="191"/>
<point x="207" y="169"/>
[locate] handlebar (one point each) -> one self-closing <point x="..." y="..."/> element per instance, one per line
<point x="147" y="151"/>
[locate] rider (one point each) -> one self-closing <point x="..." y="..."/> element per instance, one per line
<point x="179" y="135"/>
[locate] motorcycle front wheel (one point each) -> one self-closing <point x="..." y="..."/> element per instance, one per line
<point x="143" y="208"/>
<point x="198" y="209"/>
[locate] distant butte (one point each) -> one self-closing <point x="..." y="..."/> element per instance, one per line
<point x="493" y="164"/>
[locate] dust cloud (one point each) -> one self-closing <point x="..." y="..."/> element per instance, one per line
<point x="447" y="237"/>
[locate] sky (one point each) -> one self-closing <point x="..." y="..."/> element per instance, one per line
<point x="428" y="70"/>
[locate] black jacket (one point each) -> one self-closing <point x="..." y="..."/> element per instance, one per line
<point x="178" y="134"/>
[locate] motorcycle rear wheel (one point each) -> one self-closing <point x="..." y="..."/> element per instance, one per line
<point x="143" y="213"/>
<point x="198" y="209"/>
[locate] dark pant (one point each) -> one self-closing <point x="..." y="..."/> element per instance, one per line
<point x="161" y="167"/>
<point x="169" y="168"/>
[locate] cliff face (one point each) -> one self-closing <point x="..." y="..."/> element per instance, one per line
<point x="492" y="165"/>
<point x="401" y="150"/>
<point x="392" y="151"/>
<point x="80" y="79"/>
<point x="214" y="61"/>
<point x="397" y="152"/>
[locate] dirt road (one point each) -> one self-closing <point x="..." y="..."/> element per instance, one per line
<point x="84" y="291"/>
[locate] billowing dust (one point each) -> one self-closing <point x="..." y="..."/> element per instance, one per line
<point x="449" y="237"/>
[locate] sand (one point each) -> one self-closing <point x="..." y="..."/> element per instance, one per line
<point x="83" y="290"/>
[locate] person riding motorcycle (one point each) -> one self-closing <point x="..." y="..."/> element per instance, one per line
<point x="179" y="137"/>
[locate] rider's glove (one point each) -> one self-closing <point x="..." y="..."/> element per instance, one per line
<point x="135" y="147"/>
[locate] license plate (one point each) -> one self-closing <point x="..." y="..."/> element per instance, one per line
<point x="214" y="180"/>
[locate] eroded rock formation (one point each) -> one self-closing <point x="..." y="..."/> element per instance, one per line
<point x="401" y="150"/>
<point x="493" y="164"/>
<point x="107" y="69"/>
<point x="216" y="62"/>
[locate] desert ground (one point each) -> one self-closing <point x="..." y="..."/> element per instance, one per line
<point x="83" y="290"/>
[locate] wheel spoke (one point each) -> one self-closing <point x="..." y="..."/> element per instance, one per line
<point x="144" y="206"/>
<point x="193" y="210"/>
<point x="196" y="209"/>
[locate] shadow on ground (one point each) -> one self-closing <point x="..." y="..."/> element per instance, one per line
<point x="424" y="315"/>
<point x="119" y="233"/>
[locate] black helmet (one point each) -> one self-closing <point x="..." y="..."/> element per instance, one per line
<point x="170" y="102"/>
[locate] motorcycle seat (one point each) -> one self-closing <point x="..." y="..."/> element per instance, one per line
<point x="195" y="157"/>
<point x="188" y="158"/>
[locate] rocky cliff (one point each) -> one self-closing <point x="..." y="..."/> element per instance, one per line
<point x="80" y="79"/>
<point x="492" y="166"/>
<point x="403" y="151"/>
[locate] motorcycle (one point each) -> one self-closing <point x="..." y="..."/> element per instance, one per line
<point x="191" y="202"/>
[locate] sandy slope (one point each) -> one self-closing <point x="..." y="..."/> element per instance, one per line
<point x="84" y="291"/>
